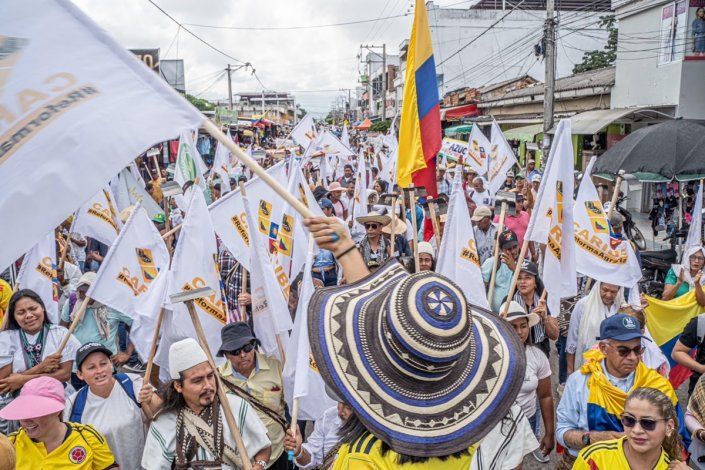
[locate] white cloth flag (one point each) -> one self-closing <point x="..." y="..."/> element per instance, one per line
<point x="345" y="136"/>
<point x="599" y="255"/>
<point x="301" y="377"/>
<point x="222" y="167"/>
<point x="128" y="192"/>
<point x="553" y="218"/>
<point x="501" y="160"/>
<point x="458" y="259"/>
<point x="230" y="222"/>
<point x="132" y="264"/>
<point x="137" y="174"/>
<point x="189" y="167"/>
<point x="359" y="202"/>
<point x="98" y="218"/>
<point x="75" y="104"/>
<point x="194" y="267"/>
<point x="270" y="312"/>
<point x="696" y="223"/>
<point x="38" y="272"/>
<point x="327" y="144"/>
<point x="478" y="150"/>
<point x="304" y="132"/>
<point x="147" y="313"/>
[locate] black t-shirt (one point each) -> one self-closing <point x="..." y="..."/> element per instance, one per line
<point x="689" y="338"/>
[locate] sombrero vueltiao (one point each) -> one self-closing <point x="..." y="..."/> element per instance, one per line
<point x="425" y="372"/>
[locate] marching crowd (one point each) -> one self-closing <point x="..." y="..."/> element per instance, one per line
<point x="421" y="378"/>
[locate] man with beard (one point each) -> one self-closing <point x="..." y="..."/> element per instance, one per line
<point x="190" y="430"/>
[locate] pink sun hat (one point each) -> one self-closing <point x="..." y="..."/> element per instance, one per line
<point x="39" y="397"/>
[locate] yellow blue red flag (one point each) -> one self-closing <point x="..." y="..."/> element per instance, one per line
<point x="420" y="128"/>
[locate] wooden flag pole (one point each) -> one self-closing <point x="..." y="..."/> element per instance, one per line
<point x="394" y="225"/>
<point x="227" y="410"/>
<point x="171" y="232"/>
<point x="153" y="348"/>
<point x="495" y="261"/>
<point x="436" y="225"/>
<point x="213" y="130"/>
<point x="615" y="192"/>
<point x="76" y="320"/>
<point x="515" y="278"/>
<point x="294" y="419"/>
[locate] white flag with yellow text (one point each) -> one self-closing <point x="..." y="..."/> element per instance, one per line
<point x="38" y="272"/>
<point x="98" y="218"/>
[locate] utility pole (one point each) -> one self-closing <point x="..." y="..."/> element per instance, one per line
<point x="550" y="78"/>
<point x="230" y="88"/>
<point x="262" y="103"/>
<point x="384" y="81"/>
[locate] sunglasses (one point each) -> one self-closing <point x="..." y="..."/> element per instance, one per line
<point x="246" y="349"/>
<point x="372" y="226"/>
<point x="624" y="351"/>
<point x="647" y="424"/>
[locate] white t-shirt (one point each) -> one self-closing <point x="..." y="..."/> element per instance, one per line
<point x="11" y="347"/>
<point x="160" y="448"/>
<point x="482" y="199"/>
<point x="537" y="368"/>
<point x="323" y="438"/>
<point x="119" y="419"/>
<point x="507" y="443"/>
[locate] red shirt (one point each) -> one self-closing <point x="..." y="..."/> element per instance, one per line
<point x="517" y="224"/>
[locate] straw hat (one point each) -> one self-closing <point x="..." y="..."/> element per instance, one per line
<point x="425" y="372"/>
<point x="399" y="228"/>
<point x="375" y="217"/>
<point x="335" y="187"/>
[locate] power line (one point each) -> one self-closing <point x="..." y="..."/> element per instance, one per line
<point x="289" y="28"/>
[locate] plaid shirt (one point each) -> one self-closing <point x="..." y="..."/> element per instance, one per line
<point x="231" y="275"/>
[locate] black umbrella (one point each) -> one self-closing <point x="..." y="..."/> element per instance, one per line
<point x="669" y="149"/>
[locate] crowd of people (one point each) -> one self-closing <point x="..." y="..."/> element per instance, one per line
<point x="420" y="378"/>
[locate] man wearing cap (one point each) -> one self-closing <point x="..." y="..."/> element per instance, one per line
<point x="258" y="379"/>
<point x="530" y="170"/>
<point x="485" y="232"/>
<point x="594" y="395"/>
<point x="191" y="429"/>
<point x="509" y="182"/>
<point x="508" y="252"/>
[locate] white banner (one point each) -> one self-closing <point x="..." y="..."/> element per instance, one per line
<point x="98" y="218"/>
<point x="38" y="272"/>
<point x="502" y="159"/>
<point x="128" y="192"/>
<point x="77" y="107"/>
<point x="478" y="151"/>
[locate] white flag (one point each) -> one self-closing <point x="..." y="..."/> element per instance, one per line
<point x="501" y="160"/>
<point x="478" y="150"/>
<point x="147" y="313"/>
<point x="270" y="312"/>
<point x="189" y="167"/>
<point x="328" y="144"/>
<point x="599" y="255"/>
<point x="345" y="137"/>
<point x="132" y="264"/>
<point x="137" y="174"/>
<point x="304" y="132"/>
<point x="221" y="165"/>
<point x="301" y="377"/>
<point x="458" y="259"/>
<point x="38" y="272"/>
<point x="359" y="202"/>
<point x="696" y="223"/>
<point x="98" y="218"/>
<point x="195" y="266"/>
<point x="553" y="218"/>
<point x="128" y="192"/>
<point x="76" y="108"/>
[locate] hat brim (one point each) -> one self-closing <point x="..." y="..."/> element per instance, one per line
<point x="625" y="337"/>
<point x="30" y="407"/>
<point x="103" y="350"/>
<point x="383" y="220"/>
<point x="421" y="417"/>
<point x="476" y="218"/>
<point x="399" y="228"/>
<point x="531" y="317"/>
<point x="508" y="245"/>
<point x="236" y="344"/>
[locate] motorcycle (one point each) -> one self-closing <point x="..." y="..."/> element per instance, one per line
<point x="631" y="231"/>
<point x="655" y="264"/>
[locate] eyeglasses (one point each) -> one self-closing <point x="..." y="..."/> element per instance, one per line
<point x="246" y="349"/>
<point x="697" y="258"/>
<point x="624" y="351"/>
<point x="647" y="424"/>
<point x="372" y="226"/>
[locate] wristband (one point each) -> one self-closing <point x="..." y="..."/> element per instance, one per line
<point x="352" y="247"/>
<point x="301" y="452"/>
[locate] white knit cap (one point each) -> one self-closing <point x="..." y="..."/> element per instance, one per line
<point x="183" y="355"/>
<point x="426" y="247"/>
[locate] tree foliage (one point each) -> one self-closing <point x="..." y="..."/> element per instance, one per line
<point x="200" y="104"/>
<point x="381" y="126"/>
<point x="606" y="57"/>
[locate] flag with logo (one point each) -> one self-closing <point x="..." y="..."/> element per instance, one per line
<point x="98" y="218"/>
<point x="501" y="159"/>
<point x="38" y="272"/>
<point x="189" y="167"/>
<point x="328" y="144"/>
<point x="128" y="192"/>
<point x="458" y="259"/>
<point x="478" y="150"/>
<point x="131" y="265"/>
<point x="696" y="223"/>
<point x="270" y="312"/>
<point x="552" y="218"/>
<point x="194" y="266"/>
<point x="304" y="132"/>
<point x="300" y="376"/>
<point x="600" y="255"/>
<point x="63" y="81"/>
<point x="222" y="167"/>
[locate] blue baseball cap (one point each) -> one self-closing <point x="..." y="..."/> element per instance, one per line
<point x="325" y="203"/>
<point x="620" y="327"/>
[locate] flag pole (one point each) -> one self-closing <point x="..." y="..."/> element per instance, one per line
<point x="76" y="320"/>
<point x="495" y="261"/>
<point x="434" y="222"/>
<point x="153" y="348"/>
<point x="214" y="131"/>
<point x="515" y="277"/>
<point x="294" y="419"/>
<point x="615" y="192"/>
<point x="394" y="225"/>
<point x="412" y="208"/>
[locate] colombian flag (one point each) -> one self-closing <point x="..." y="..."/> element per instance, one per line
<point x="420" y="128"/>
<point x="666" y="321"/>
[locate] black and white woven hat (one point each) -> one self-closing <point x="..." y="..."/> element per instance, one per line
<point x="426" y="373"/>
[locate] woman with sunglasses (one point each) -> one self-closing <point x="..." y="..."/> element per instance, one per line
<point x="688" y="277"/>
<point x="650" y="441"/>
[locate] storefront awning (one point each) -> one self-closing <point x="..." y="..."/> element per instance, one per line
<point x="592" y="122"/>
<point x="458" y="112"/>
<point x="524" y="133"/>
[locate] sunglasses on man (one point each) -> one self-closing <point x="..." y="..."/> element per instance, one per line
<point x="372" y="226"/>
<point x="246" y="349"/>
<point x="624" y="351"/>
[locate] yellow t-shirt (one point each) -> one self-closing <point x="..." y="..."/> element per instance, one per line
<point x="84" y="448"/>
<point x="365" y="454"/>
<point x="5" y="294"/>
<point x="609" y="455"/>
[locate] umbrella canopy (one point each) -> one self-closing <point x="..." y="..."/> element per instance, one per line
<point x="673" y="149"/>
<point x="366" y="124"/>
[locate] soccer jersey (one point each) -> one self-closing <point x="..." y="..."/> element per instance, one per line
<point x="609" y="455"/>
<point x="84" y="448"/>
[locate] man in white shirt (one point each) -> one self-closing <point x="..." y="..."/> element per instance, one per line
<point x="191" y="418"/>
<point x="479" y="194"/>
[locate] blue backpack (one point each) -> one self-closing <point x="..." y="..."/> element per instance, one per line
<point x="80" y="402"/>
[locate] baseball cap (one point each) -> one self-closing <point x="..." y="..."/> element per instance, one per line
<point x="41" y="396"/>
<point x="619" y="327"/>
<point x="88" y="349"/>
<point x="480" y="213"/>
<point x="508" y="239"/>
<point x="530" y="267"/>
<point x="325" y="203"/>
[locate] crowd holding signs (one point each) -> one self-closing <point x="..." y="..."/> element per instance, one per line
<point x="345" y="300"/>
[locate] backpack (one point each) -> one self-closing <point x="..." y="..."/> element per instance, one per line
<point x="80" y="402"/>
